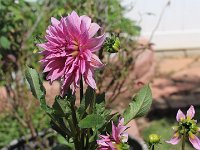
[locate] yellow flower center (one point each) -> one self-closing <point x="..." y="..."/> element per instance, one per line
<point x="74" y="53"/>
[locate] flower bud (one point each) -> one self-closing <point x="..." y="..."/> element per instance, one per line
<point x="112" y="44"/>
<point x="154" y="139"/>
<point x="116" y="45"/>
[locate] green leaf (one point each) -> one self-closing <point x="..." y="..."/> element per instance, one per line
<point x="101" y="110"/>
<point x="100" y="98"/>
<point x="89" y="96"/>
<point x="61" y="107"/>
<point x="91" y="121"/>
<point x="4" y="42"/>
<point x="35" y="83"/>
<point x="60" y="147"/>
<point x="140" y="105"/>
<point x="37" y="88"/>
<point x="60" y="126"/>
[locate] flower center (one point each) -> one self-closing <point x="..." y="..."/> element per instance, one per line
<point x="75" y="48"/>
<point x="188" y="126"/>
<point x="117" y="146"/>
<point x="74" y="53"/>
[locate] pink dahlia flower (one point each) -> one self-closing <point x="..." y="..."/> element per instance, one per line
<point x="188" y="126"/>
<point x="69" y="51"/>
<point x="114" y="141"/>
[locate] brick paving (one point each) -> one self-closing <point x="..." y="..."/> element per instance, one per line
<point x="177" y="83"/>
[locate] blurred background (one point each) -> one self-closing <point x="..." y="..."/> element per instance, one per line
<point x="160" y="43"/>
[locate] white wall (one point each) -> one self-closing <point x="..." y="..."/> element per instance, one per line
<point x="179" y="27"/>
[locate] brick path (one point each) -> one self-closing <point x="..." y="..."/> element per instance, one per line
<point x="177" y="83"/>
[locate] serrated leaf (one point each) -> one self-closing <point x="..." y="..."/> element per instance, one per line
<point x="35" y="83"/>
<point x="61" y="107"/>
<point x="140" y="104"/>
<point x="91" y="121"/>
<point x="37" y="88"/>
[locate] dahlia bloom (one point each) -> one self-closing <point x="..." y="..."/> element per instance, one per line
<point x="69" y="51"/>
<point x="116" y="140"/>
<point x="188" y="126"/>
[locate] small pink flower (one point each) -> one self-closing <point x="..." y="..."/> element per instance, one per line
<point x="112" y="142"/>
<point x="188" y="126"/>
<point x="69" y="51"/>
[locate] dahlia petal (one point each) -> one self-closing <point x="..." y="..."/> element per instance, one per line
<point x="93" y="29"/>
<point x="180" y="115"/>
<point x="124" y="137"/>
<point x="66" y="83"/>
<point x="43" y="45"/>
<point x="190" y="112"/>
<point x="56" y="55"/>
<point x="64" y="27"/>
<point x="195" y="141"/>
<point x="48" y="77"/>
<point x="73" y="24"/>
<point x="94" y="44"/>
<point x="71" y="68"/>
<point x="96" y="62"/>
<point x="87" y="20"/>
<point x="82" y="68"/>
<point x="52" y="40"/>
<point x="77" y="77"/>
<point x="48" y="67"/>
<point x="47" y="46"/>
<point x="84" y="34"/>
<point x="83" y="27"/>
<point x="89" y="79"/>
<point x="87" y="55"/>
<point x="121" y="128"/>
<point x="76" y="19"/>
<point x="57" y="73"/>
<point x="69" y="60"/>
<point x="44" y="52"/>
<point x="175" y="139"/>
<point x="54" y="21"/>
<point x="121" y="121"/>
<point x="102" y="143"/>
<point x="114" y="132"/>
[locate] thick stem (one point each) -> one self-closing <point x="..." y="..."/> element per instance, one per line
<point x="81" y="89"/>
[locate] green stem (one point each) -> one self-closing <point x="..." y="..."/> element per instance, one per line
<point x="74" y="126"/>
<point x="87" y="139"/>
<point x="183" y="142"/>
<point x="92" y="103"/>
<point x="81" y="89"/>
<point x="82" y="135"/>
<point x="153" y="147"/>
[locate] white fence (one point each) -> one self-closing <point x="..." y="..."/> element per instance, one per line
<point x="179" y="27"/>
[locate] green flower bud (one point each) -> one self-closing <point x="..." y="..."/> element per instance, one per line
<point x="116" y="45"/>
<point x="112" y="44"/>
<point x="154" y="139"/>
